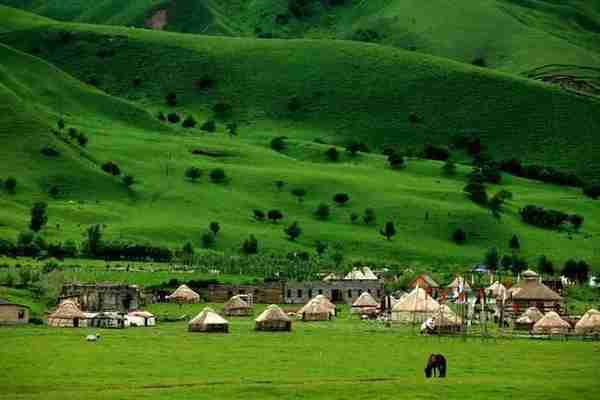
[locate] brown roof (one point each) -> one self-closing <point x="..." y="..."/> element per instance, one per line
<point x="184" y="293"/>
<point x="273" y="313"/>
<point x="551" y="322"/>
<point x="236" y="303"/>
<point x="365" y="300"/>
<point x="67" y="310"/>
<point x="428" y="279"/>
<point x="533" y="289"/>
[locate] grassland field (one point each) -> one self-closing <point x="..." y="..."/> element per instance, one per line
<point x="342" y="359"/>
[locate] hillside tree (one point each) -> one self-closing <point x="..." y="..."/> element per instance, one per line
<point x="388" y="231"/>
<point x="38" y="216"/>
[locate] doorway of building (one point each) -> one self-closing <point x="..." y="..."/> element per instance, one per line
<point x="336" y="295"/>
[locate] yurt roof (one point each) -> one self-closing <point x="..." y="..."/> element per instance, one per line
<point x="532" y="289"/>
<point x="446" y="317"/>
<point x="428" y="279"/>
<point x="325" y="301"/>
<point x="551" y="320"/>
<point x="531" y="315"/>
<point x="355" y="274"/>
<point x="368" y="274"/>
<point x="365" y="300"/>
<point x="208" y="317"/>
<point x="235" y="302"/>
<point x="417" y="301"/>
<point x="185" y="293"/>
<point x="314" y="307"/>
<point x="330" y="277"/>
<point x="273" y="313"/>
<point x="529" y="274"/>
<point x="67" y="310"/>
<point x="455" y="284"/>
<point x="141" y="313"/>
<point x="496" y="288"/>
<point x="590" y="319"/>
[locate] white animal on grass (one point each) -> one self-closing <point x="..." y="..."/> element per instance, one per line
<point x="92" y="338"/>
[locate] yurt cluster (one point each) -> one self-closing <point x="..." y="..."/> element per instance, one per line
<point x="527" y="308"/>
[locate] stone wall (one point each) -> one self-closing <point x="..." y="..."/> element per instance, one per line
<point x="107" y="297"/>
<point x="338" y="291"/>
<point x="266" y="293"/>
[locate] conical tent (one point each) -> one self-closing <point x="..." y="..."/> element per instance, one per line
<point x="589" y="324"/>
<point x="445" y="320"/>
<point x="458" y="282"/>
<point x="551" y="324"/>
<point x="184" y="294"/>
<point x="208" y="321"/>
<point x="368" y="274"/>
<point x="67" y="314"/>
<point x="417" y="307"/>
<point x="273" y="319"/>
<point x="237" y="306"/>
<point x="315" y="311"/>
<point x="325" y="301"/>
<point x="355" y="274"/>
<point x="496" y="290"/>
<point x="364" y="302"/>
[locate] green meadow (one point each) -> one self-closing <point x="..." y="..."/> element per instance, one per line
<point x="342" y="359"/>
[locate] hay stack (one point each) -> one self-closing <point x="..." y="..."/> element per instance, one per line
<point x="237" y="306"/>
<point x="67" y="315"/>
<point x="417" y="307"/>
<point x="208" y="321"/>
<point x="551" y="324"/>
<point x="589" y="324"/>
<point x="528" y="318"/>
<point x="364" y="304"/>
<point x="273" y="319"/>
<point x="183" y="294"/>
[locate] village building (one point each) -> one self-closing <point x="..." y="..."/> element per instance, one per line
<point x="102" y="297"/>
<point x="236" y="306"/>
<point x="141" y="318"/>
<point x="273" y="319"/>
<point x="12" y="313"/>
<point x="531" y="292"/>
<point x="67" y="315"/>
<point x="107" y="320"/>
<point x="415" y="307"/>
<point x="338" y="291"/>
<point x="427" y="283"/>
<point x="208" y="321"/>
<point x="183" y="294"/>
<point x="266" y="293"/>
<point x="365" y="304"/>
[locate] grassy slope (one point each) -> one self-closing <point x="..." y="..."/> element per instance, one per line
<point x="170" y="210"/>
<point x="513" y="35"/>
<point x="332" y="360"/>
<point x="346" y="90"/>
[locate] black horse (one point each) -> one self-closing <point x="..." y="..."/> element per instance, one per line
<point x="436" y="363"/>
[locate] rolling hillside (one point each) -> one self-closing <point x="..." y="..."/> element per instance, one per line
<point x="512" y="35"/>
<point x="163" y="207"/>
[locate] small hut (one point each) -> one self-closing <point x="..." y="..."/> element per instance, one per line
<point x="108" y="320"/>
<point x="326" y="302"/>
<point x="365" y="304"/>
<point x="589" y="324"/>
<point x="208" y="321"/>
<point x="425" y="281"/>
<point x="13" y="314"/>
<point x="446" y="321"/>
<point x="551" y="324"/>
<point x="67" y="315"/>
<point x="183" y="294"/>
<point x="314" y="310"/>
<point x="415" y="307"/>
<point x="528" y="318"/>
<point x="141" y="318"/>
<point x="530" y="292"/>
<point x="273" y="319"/>
<point x="236" y="306"/>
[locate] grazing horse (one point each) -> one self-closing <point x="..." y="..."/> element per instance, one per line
<point x="436" y="362"/>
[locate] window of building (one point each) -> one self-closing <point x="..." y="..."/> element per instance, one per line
<point x="378" y="292"/>
<point x="349" y="293"/>
<point x="369" y="290"/>
<point x="310" y="293"/>
<point x="289" y="293"/>
<point x="21" y="314"/>
<point x="299" y="293"/>
<point x="320" y="291"/>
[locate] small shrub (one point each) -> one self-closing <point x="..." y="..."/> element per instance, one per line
<point x="214" y="227"/>
<point x="218" y="175"/>
<point x="49" y="151"/>
<point x="128" y="180"/>
<point x="10" y="184"/>
<point x="388" y="231"/>
<point x="111" y="168"/>
<point x="332" y="154"/>
<point x="299" y="193"/>
<point x="82" y="139"/>
<point x="369" y="216"/>
<point x="459" y="236"/>
<point x="222" y="109"/>
<point x="205" y="83"/>
<point x="353" y="217"/>
<point x="414" y="118"/>
<point x="209" y="126"/>
<point x="250" y="245"/>
<point x="208" y="240"/>
<point x="341" y="199"/>
<point x="259" y="215"/>
<point x="479" y="62"/>
<point x="161" y="116"/>
<point x="54" y="192"/>
<point x="61" y="124"/>
<point x="293" y="231"/>
<point x="449" y="168"/>
<point x="476" y="192"/>
<point x="275" y="215"/>
<point x="592" y="191"/>
<point x="189" y="122"/>
<point x="173" y="118"/>
<point x="396" y="161"/>
<point x="322" y="211"/>
<point x="439" y="153"/>
<point x="193" y="173"/>
<point x="278" y="143"/>
<point x="294" y="104"/>
<point x="171" y="99"/>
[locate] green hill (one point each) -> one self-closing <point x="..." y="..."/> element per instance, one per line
<point x="512" y="35"/>
<point x="344" y="90"/>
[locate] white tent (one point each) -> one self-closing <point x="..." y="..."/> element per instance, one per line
<point x="208" y="321"/>
<point x="364" y="302"/>
<point x="368" y="274"/>
<point x="141" y="318"/>
<point x="355" y="274"/>
<point x="417" y="307"/>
